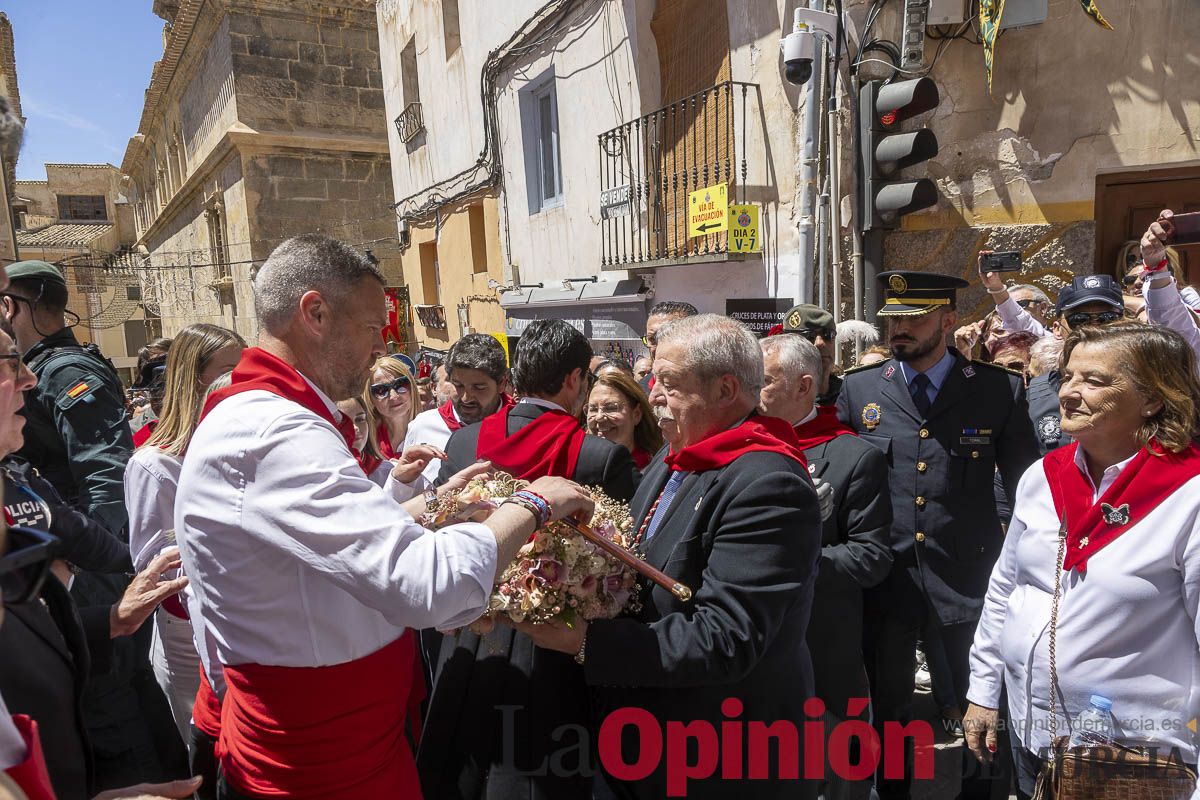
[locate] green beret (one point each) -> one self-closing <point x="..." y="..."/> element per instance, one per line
<point x="42" y="270"/>
<point x="806" y="317"/>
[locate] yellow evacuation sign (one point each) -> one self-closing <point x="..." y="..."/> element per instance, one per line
<point x="502" y="338"/>
<point x="743" y="229"/>
<point x="708" y="210"/>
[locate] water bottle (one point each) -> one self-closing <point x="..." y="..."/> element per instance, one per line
<point x="1094" y="727"/>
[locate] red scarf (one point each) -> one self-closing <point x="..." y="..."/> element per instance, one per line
<point x="548" y="445"/>
<point x="31" y="774"/>
<point x="822" y="428"/>
<point x="142" y="434"/>
<point x="259" y="370"/>
<point x="385" y="442"/>
<point x="368" y="461"/>
<point x="758" y="434"/>
<point x="1145" y="482"/>
<point x="641" y="458"/>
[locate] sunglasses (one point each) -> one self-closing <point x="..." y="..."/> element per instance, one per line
<point x="1130" y="280"/>
<point x="381" y="390"/>
<point x="811" y="334"/>
<point x="1081" y="318"/>
<point x="1029" y="302"/>
<point x="25" y="564"/>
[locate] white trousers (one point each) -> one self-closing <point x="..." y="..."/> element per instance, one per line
<point x="176" y="666"/>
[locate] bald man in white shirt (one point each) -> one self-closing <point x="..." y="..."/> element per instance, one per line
<point x="310" y="575"/>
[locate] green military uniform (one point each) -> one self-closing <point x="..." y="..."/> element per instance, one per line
<point x="77" y="435"/>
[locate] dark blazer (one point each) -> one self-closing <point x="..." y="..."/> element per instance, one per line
<point x="44" y="668"/>
<point x="497" y="700"/>
<point x="946" y="532"/>
<point x="745" y="539"/>
<point x="855" y="554"/>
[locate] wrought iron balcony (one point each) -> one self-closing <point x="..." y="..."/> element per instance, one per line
<point x="410" y="122"/>
<point x="650" y="164"/>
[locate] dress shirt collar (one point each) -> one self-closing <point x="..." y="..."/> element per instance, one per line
<point x="1106" y="480"/>
<point x="936" y="374"/>
<point x="537" y="401"/>
<point x="811" y="416"/>
<point x="13" y="749"/>
<point x="332" y="406"/>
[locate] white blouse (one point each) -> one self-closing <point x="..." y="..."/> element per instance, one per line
<point x="1127" y="629"/>
<point x="428" y="427"/>
<point x="297" y="558"/>
<point x="151" y="479"/>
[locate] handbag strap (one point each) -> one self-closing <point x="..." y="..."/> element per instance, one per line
<point x="1058" y="569"/>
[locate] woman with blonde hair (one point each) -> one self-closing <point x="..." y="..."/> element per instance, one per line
<point x="1094" y="599"/>
<point x="390" y="406"/>
<point x="617" y="410"/>
<point x="198" y="356"/>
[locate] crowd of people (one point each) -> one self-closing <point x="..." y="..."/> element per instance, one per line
<point x="224" y="583"/>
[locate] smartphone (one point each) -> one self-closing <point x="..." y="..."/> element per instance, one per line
<point x="1002" y="261"/>
<point x="1183" y="228"/>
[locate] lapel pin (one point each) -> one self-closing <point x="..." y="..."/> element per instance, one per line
<point x="969" y="371"/>
<point x="1115" y="516"/>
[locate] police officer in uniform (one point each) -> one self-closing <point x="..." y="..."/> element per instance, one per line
<point x="946" y="425"/>
<point x="816" y="324"/>
<point x="77" y="437"/>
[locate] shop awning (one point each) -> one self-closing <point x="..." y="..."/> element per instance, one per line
<point x="603" y="311"/>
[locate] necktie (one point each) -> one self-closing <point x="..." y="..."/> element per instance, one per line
<point x="663" y="503"/>
<point x="919" y="389"/>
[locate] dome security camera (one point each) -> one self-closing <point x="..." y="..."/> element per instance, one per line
<point x="798" y="50"/>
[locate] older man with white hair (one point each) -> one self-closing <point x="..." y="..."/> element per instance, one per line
<point x="855" y="549"/>
<point x="309" y="575"/>
<point x="731" y="513"/>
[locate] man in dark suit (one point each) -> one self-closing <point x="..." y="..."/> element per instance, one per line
<point x="855" y="543"/>
<point x="945" y="425"/>
<point x="500" y="706"/>
<point x="730" y="513"/>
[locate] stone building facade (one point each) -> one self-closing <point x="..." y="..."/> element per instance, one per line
<point x="263" y="120"/>
<point x="8" y="154"/>
<point x="1084" y="136"/>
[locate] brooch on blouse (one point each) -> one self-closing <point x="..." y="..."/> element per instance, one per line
<point x="1115" y="516"/>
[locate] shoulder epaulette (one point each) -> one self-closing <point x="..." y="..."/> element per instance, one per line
<point x="999" y="367"/>
<point x="864" y="367"/>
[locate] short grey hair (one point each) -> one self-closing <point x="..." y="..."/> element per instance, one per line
<point x="312" y="262"/>
<point x="1038" y="294"/>
<point x="797" y="355"/>
<point x="715" y="346"/>
<point x="1045" y="354"/>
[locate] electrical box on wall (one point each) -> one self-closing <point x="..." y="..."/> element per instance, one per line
<point x="1020" y="13"/>
<point x="947" y="12"/>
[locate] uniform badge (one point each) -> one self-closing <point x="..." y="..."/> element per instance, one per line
<point x="77" y="389"/>
<point x="1049" y="427"/>
<point x="889" y="372"/>
<point x="812" y="469"/>
<point x="1091" y="282"/>
<point x="969" y="371"/>
<point x="897" y="284"/>
<point x="1115" y="516"/>
<point x="793" y="320"/>
<point x="870" y="416"/>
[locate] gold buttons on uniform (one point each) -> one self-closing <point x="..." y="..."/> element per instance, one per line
<point x="924" y="433"/>
<point x="920" y="502"/>
<point x="920" y="536"/>
<point x="922" y="466"/>
<point x="974" y="454"/>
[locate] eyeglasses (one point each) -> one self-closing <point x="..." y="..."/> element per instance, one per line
<point x="399" y="386"/>
<point x="828" y="334"/>
<point x="1030" y="302"/>
<point x="611" y="409"/>
<point x="1130" y="280"/>
<point x="1081" y="318"/>
<point x="25" y="564"/>
<point x="651" y="340"/>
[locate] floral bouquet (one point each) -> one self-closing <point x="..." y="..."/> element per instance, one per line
<point x="558" y="574"/>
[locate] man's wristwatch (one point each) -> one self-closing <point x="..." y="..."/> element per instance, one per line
<point x="581" y="655"/>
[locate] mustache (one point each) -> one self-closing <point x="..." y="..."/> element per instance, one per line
<point x="662" y="414"/>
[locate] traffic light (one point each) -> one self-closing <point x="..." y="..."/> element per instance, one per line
<point x="886" y="150"/>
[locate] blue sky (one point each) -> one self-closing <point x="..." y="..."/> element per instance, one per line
<point x="82" y="67"/>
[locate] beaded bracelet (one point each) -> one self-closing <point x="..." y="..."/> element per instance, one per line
<point x="543" y="500"/>
<point x="542" y="504"/>
<point x="539" y="515"/>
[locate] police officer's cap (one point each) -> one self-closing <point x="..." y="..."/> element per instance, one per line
<point x="912" y="294"/>
<point x="804" y="318"/>
<point x="1090" y="289"/>
<point x="38" y="270"/>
